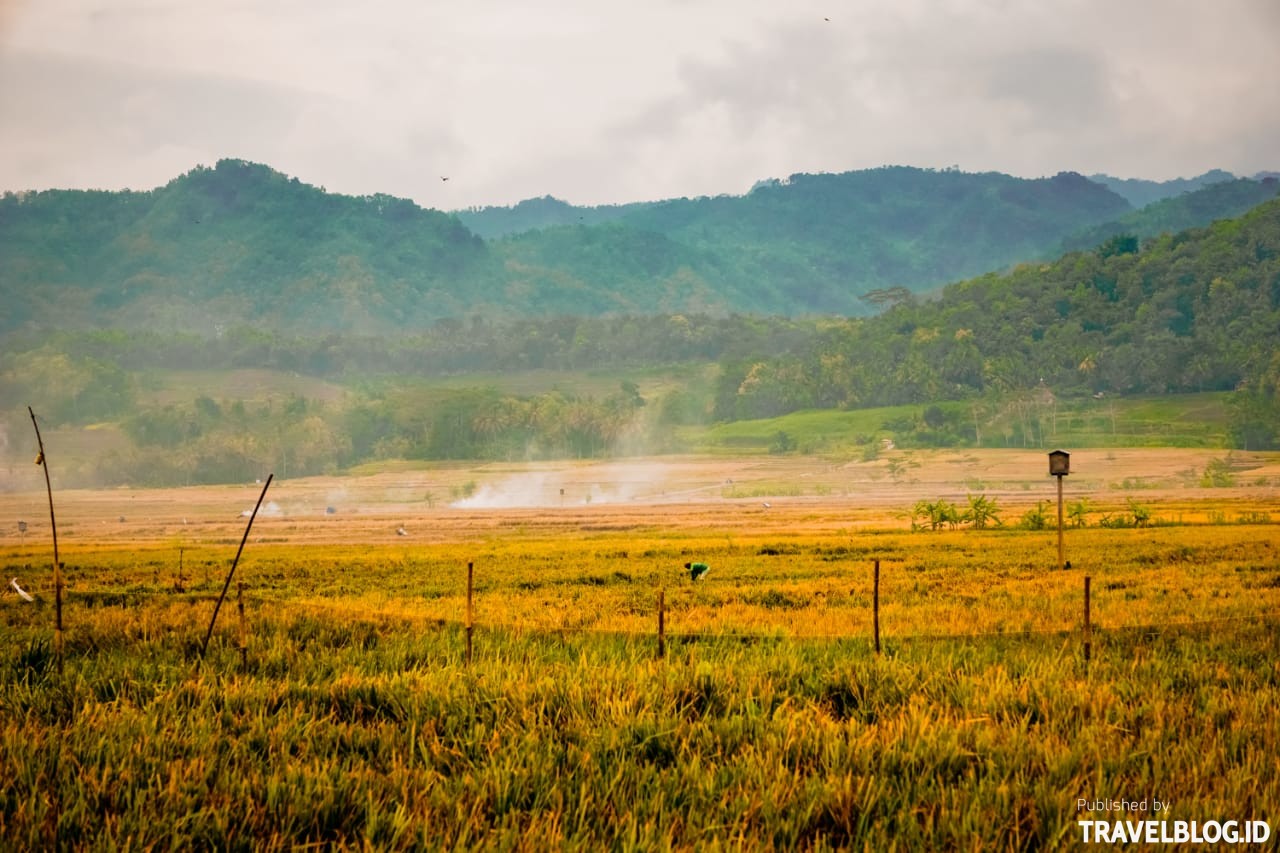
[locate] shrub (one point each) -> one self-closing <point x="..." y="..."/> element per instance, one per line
<point x="1036" y="518"/>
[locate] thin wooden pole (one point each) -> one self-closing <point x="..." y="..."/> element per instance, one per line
<point x="1061" y="562"/>
<point x="662" y="623"/>
<point x="57" y="563"/>
<point x="226" y="586"/>
<point x="470" y="612"/>
<point x="1088" y="627"/>
<point x="875" y="605"/>
<point x="244" y="642"/>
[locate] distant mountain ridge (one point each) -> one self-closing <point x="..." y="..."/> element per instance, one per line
<point x="1192" y="209"/>
<point x="242" y="244"/>
<point x="534" y="214"/>
<point x="1140" y="193"/>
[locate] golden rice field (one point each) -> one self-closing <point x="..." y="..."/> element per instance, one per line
<point x="351" y="719"/>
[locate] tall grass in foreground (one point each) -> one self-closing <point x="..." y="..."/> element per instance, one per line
<point x="356" y="723"/>
<point x="370" y="732"/>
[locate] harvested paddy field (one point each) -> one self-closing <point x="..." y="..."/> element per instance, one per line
<point x="351" y="705"/>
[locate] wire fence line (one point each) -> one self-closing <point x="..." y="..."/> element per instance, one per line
<point x="780" y="634"/>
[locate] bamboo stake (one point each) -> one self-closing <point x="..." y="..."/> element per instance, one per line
<point x="205" y="646"/>
<point x="57" y="563"/>
<point x="1088" y="627"/>
<point x="470" y="624"/>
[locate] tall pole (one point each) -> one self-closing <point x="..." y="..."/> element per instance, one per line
<point x="57" y="565"/>
<point x="204" y="647"/>
<point x="1061" y="562"/>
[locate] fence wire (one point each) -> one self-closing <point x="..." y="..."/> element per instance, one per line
<point x="124" y="598"/>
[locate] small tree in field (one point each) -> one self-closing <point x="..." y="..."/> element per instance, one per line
<point x="935" y="514"/>
<point x="1076" y="511"/>
<point x="1037" y="518"/>
<point x="982" y="512"/>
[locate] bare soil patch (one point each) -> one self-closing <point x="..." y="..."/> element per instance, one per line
<point x="752" y="493"/>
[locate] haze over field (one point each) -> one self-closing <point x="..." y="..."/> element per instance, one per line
<point x="644" y="101"/>
<point x="317" y="248"/>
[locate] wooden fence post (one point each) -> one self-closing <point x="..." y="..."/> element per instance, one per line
<point x="875" y="605"/>
<point x="1088" y="627"/>
<point x="470" y="624"/>
<point x="662" y="624"/>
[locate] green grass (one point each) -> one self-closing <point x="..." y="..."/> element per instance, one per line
<point x="825" y="427"/>
<point x="1186" y="420"/>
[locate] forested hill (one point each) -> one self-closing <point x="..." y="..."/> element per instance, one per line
<point x="236" y="244"/>
<point x="1222" y="200"/>
<point x="1194" y="311"/>
<point x="241" y="244"/>
<point x="827" y="239"/>
<point x="535" y="214"/>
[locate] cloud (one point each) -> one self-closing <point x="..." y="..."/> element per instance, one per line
<point x="640" y="101"/>
<point x="107" y="124"/>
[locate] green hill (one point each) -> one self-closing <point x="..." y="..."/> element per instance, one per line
<point x="1193" y="209"/>
<point x="242" y="244"/>
<point x="233" y="244"/>
<point x="1193" y="311"/>
<point x="1045" y="351"/>
<point x="534" y="214"/>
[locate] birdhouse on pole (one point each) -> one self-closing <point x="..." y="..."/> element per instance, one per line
<point x="1060" y="466"/>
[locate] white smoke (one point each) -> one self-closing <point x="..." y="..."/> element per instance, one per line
<point x="524" y="490"/>
<point x="545" y="489"/>
<point x="269" y="509"/>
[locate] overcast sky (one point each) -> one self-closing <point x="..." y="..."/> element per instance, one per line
<point x="597" y="101"/>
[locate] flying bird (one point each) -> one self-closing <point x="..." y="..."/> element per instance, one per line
<point x="400" y="531"/>
<point x="443" y="178"/>
<point x="22" y="593"/>
<point x="697" y="570"/>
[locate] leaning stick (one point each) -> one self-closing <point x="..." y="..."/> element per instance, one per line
<point x="57" y="566"/>
<point x="226" y="586"/>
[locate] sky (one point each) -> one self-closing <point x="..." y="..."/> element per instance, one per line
<point x="603" y="101"/>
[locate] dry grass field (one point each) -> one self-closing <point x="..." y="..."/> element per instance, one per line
<point x="675" y="493"/>
<point x="352" y="718"/>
